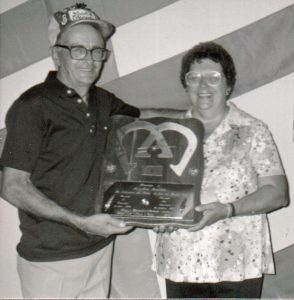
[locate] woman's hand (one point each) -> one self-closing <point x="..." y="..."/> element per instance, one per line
<point x="212" y="213"/>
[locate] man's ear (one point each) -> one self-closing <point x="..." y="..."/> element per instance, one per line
<point x="55" y="56"/>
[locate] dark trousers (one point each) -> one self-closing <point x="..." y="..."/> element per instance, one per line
<point x="250" y="288"/>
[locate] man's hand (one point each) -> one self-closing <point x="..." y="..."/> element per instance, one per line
<point x="102" y="224"/>
<point x="212" y="213"/>
<point x="18" y="190"/>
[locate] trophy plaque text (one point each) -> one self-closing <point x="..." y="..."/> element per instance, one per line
<point x="152" y="171"/>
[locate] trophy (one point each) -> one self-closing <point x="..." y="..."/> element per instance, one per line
<point x="152" y="171"/>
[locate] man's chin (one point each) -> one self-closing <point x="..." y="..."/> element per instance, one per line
<point x="88" y="79"/>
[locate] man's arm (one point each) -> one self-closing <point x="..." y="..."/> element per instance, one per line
<point x="18" y="190"/>
<point x="147" y="113"/>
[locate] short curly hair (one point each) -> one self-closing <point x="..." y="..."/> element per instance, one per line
<point x="215" y="52"/>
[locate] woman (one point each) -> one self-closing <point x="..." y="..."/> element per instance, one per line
<point x="229" y="250"/>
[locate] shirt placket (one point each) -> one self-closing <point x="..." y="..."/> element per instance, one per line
<point x="88" y="115"/>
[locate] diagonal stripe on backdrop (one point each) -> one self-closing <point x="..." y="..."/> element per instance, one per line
<point x="263" y="51"/>
<point x="23" y="39"/>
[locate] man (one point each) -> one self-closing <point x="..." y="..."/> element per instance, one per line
<point x="56" y="133"/>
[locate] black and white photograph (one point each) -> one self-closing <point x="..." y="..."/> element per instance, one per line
<point x="146" y="149"/>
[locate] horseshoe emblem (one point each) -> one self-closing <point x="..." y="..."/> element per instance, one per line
<point x="156" y="136"/>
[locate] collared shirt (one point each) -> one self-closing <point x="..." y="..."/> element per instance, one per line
<point x="59" y="140"/>
<point x="237" y="153"/>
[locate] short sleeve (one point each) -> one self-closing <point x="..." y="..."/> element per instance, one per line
<point x="24" y="136"/>
<point x="119" y="107"/>
<point x="265" y="157"/>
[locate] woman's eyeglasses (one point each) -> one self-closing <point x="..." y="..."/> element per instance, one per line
<point x="212" y="78"/>
<point x="80" y="52"/>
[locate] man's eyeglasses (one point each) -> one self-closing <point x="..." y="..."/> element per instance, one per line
<point x="80" y="52"/>
<point x="212" y="78"/>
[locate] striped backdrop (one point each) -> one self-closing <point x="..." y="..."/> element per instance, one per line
<point x="151" y="37"/>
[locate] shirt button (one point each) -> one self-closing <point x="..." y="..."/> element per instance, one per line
<point x="105" y="127"/>
<point x="88" y="115"/>
<point x="69" y="92"/>
<point x="91" y="130"/>
<point x="79" y="100"/>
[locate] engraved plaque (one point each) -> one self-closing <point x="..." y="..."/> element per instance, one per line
<point x="152" y="171"/>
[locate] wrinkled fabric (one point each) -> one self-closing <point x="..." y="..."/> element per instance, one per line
<point x="237" y="153"/>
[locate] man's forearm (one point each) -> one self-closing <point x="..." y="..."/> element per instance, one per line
<point x="18" y="190"/>
<point x="24" y="195"/>
<point x="146" y="113"/>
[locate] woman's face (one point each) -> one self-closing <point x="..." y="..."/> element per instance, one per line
<point x="207" y="86"/>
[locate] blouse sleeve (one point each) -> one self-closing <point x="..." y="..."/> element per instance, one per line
<point x="119" y="107"/>
<point x="265" y="156"/>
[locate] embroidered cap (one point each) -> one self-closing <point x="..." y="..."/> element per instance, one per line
<point x="77" y="14"/>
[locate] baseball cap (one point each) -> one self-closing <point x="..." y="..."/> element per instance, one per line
<point x="73" y="15"/>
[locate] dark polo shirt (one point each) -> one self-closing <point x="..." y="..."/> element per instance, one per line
<point x="59" y="140"/>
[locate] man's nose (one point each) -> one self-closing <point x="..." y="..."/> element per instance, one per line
<point x="88" y="56"/>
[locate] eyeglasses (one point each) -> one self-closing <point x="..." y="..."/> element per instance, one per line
<point x="212" y="78"/>
<point x="80" y="52"/>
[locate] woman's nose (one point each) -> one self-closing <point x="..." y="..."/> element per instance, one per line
<point x="203" y="83"/>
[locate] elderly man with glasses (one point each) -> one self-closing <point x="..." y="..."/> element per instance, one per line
<point x="56" y="133"/>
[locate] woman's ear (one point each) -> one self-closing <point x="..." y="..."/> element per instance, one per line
<point x="228" y="91"/>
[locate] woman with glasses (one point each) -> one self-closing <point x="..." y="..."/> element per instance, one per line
<point x="227" y="252"/>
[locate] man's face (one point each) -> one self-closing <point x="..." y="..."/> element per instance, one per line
<point x="78" y="73"/>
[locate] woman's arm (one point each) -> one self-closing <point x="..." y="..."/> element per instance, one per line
<point x="272" y="194"/>
<point x="18" y="190"/>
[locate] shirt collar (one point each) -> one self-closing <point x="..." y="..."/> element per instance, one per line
<point x="56" y="86"/>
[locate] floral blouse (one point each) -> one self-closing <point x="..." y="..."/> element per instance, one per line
<point x="240" y="150"/>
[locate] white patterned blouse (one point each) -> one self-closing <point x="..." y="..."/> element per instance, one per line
<point x="240" y="150"/>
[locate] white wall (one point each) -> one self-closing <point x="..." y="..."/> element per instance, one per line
<point x="272" y="103"/>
